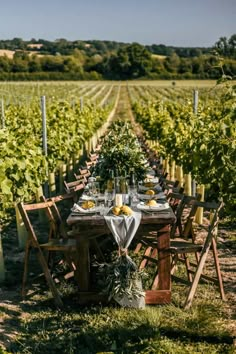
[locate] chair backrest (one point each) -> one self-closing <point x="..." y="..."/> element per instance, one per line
<point x="57" y="229"/>
<point x="93" y="157"/>
<point x="174" y="199"/>
<point x="214" y="209"/>
<point x="185" y="202"/>
<point x="80" y="177"/>
<point x="85" y="172"/>
<point x="24" y="209"/>
<point x="74" y="186"/>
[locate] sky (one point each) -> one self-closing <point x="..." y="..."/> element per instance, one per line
<point x="182" y="23"/>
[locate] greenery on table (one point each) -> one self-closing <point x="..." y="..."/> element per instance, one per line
<point x="121" y="152"/>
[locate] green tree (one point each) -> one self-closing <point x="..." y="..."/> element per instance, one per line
<point x="130" y="62"/>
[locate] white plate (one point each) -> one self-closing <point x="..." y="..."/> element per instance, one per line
<point x="158" y="207"/>
<point x="90" y="197"/>
<point x="156" y="188"/>
<point x="153" y="179"/>
<point x="160" y="195"/>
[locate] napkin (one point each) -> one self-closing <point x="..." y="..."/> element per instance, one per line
<point x="78" y="209"/>
<point x="123" y="228"/>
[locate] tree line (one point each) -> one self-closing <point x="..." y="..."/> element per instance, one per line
<point x="78" y="60"/>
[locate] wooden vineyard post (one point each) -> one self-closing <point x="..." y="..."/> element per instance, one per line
<point x="62" y="177"/>
<point x="75" y="161"/>
<point x="172" y="171"/>
<point x="2" y="266"/>
<point x="179" y="175"/>
<point x="199" y="213"/>
<point x="167" y="167"/>
<point x="39" y="194"/>
<point x="52" y="184"/>
<point x="69" y="169"/>
<point x="188" y="184"/>
<point x="21" y="230"/>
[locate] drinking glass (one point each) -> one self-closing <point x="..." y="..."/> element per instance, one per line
<point x="109" y="196"/>
<point x="95" y="190"/>
<point x="133" y="193"/>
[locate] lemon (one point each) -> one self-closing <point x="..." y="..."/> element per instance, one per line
<point x="150" y="192"/>
<point x="151" y="202"/>
<point x="125" y="210"/>
<point x="88" y="204"/>
<point x="116" y="210"/>
<point x="122" y="210"/>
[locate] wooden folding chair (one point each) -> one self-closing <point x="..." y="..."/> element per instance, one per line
<point x="93" y="156"/>
<point x="185" y="210"/>
<point x="182" y="248"/>
<point x="56" y="242"/>
<point x="183" y="225"/>
<point x="74" y="186"/>
<point x="84" y="172"/>
<point x="80" y="177"/>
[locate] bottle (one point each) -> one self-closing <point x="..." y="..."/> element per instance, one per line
<point x="132" y="182"/>
<point x="123" y="185"/>
<point x="110" y="181"/>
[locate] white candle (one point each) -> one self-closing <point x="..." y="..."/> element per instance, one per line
<point x="118" y="200"/>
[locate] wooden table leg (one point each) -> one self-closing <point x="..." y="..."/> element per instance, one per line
<point x="163" y="243"/>
<point x="82" y="273"/>
<point x="163" y="294"/>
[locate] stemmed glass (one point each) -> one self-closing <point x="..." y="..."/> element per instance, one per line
<point x="109" y="197"/>
<point x="95" y="190"/>
<point x="133" y="193"/>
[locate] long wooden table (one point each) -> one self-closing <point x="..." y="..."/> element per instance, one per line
<point x="86" y="227"/>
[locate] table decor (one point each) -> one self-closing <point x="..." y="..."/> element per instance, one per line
<point x="156" y="196"/>
<point x="89" y="208"/>
<point x="121" y="153"/>
<point x="153" y="206"/>
<point x="122" y="279"/>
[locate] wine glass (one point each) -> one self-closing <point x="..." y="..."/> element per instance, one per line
<point x="95" y="190"/>
<point x="109" y="197"/>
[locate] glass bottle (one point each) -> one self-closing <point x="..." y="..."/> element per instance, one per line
<point x="110" y="181"/>
<point x="132" y="182"/>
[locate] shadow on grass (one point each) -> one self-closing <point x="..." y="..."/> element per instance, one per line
<point x="89" y="330"/>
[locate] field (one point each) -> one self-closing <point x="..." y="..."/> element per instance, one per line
<point x="82" y="108"/>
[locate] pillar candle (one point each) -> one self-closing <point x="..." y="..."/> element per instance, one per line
<point x="118" y="200"/>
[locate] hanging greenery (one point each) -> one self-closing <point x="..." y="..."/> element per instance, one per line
<point x="121" y="278"/>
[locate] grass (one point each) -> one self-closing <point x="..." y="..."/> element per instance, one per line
<point x="97" y="329"/>
<point x="111" y="329"/>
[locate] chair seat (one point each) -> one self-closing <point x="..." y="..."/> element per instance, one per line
<point x="59" y="245"/>
<point x="182" y="246"/>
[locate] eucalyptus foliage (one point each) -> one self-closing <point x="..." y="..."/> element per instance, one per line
<point x="121" y="278"/>
<point x="121" y="152"/>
